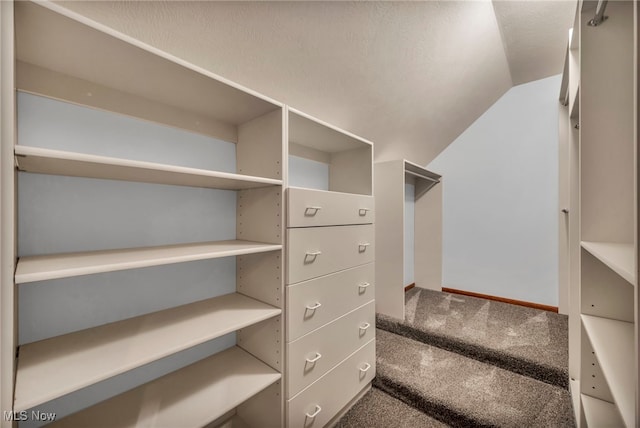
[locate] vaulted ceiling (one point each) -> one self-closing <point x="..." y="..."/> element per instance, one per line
<point x="410" y="76"/>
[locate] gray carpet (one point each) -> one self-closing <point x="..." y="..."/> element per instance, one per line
<point x="380" y="410"/>
<point x="527" y="341"/>
<point x="464" y="392"/>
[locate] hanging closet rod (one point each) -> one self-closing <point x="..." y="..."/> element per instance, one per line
<point x="599" y="17"/>
<point x="421" y="176"/>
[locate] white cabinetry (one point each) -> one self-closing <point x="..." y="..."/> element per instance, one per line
<point x="601" y="107"/>
<point x="330" y="271"/>
<point x="133" y="168"/>
<point x="392" y="233"/>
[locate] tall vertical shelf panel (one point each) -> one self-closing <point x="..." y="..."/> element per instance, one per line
<point x="569" y="201"/>
<point x="222" y="348"/>
<point x="393" y="231"/>
<point x="603" y="105"/>
<point x="330" y="326"/>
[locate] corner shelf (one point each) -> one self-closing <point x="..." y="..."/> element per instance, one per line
<point x="613" y="344"/>
<point x="56" y="162"/>
<point x="617" y="256"/>
<point x="600" y="413"/>
<point x="54" y="367"/>
<point x="184" y="398"/>
<point x="41" y="268"/>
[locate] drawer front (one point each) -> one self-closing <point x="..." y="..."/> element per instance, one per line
<point x="337" y="294"/>
<point x="321" y="208"/>
<point x="318" y="404"/>
<point x="317" y="251"/>
<point x="313" y="355"/>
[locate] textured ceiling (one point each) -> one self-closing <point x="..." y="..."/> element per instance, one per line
<point x="410" y="76"/>
<point x="535" y="36"/>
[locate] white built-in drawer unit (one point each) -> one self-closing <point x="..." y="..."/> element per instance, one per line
<point x="331" y="295"/>
<point x="317" y="251"/>
<point x="307" y="207"/>
<point x="316" y="353"/>
<point x="321" y="401"/>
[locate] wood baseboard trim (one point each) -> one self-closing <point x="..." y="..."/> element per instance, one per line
<point x="409" y="287"/>
<point x="502" y="299"/>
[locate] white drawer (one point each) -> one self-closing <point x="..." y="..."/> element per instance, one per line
<point x="325" y="398"/>
<point x="337" y="293"/>
<point x="313" y="355"/>
<point x="317" y="251"/>
<point x="321" y="208"/>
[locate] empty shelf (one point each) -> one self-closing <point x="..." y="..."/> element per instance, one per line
<point x="41" y="268"/>
<point x="618" y="257"/>
<point x="613" y="344"/>
<point x="599" y="413"/>
<point x="191" y="397"/>
<point x="54" y="367"/>
<point x="46" y="161"/>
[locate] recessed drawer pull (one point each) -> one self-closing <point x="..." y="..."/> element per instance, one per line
<point x="313" y="307"/>
<point x="311" y="211"/>
<point x="314" y="359"/>
<point x="366" y="368"/>
<point x="364" y="285"/>
<point x="363" y="246"/>
<point x="365" y="326"/>
<point x="363" y="211"/>
<point x="315" y="413"/>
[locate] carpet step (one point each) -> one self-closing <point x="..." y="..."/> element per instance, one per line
<point x="377" y="409"/>
<point x="465" y="392"/>
<point x="523" y="340"/>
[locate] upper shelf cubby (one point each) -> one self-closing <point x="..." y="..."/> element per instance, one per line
<point x="339" y="161"/>
<point x="65" y="56"/>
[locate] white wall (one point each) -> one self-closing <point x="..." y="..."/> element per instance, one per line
<point x="308" y="173"/>
<point x="501" y="198"/>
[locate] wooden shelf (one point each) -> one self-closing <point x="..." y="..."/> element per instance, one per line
<point x="600" y="413"/>
<point x="190" y="397"/>
<point x="56" y="162"/>
<point x="54" y="367"/>
<point x="41" y="268"/>
<point x="613" y="343"/>
<point x="618" y="257"/>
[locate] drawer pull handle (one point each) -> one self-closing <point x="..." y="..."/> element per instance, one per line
<point x="313" y="253"/>
<point x="363" y="211"/>
<point x="311" y="211"/>
<point x="313" y="307"/>
<point x="364" y="285"/>
<point x="366" y="368"/>
<point x="365" y="326"/>
<point x="363" y="246"/>
<point x="315" y="413"/>
<point x="314" y="359"/>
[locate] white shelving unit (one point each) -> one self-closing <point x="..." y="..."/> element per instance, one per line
<point x="62" y="59"/>
<point x="330" y="291"/>
<point x="57" y="162"/>
<point x="42" y="268"/>
<point x="185" y="397"/>
<point x="391" y="232"/>
<point x="618" y="257"/>
<point x="51" y="368"/>
<point x="603" y="254"/>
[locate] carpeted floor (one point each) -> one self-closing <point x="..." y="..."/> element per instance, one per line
<point x="466" y="362"/>
<point x="380" y="410"/>
<point x="463" y="391"/>
<point x="528" y="341"/>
